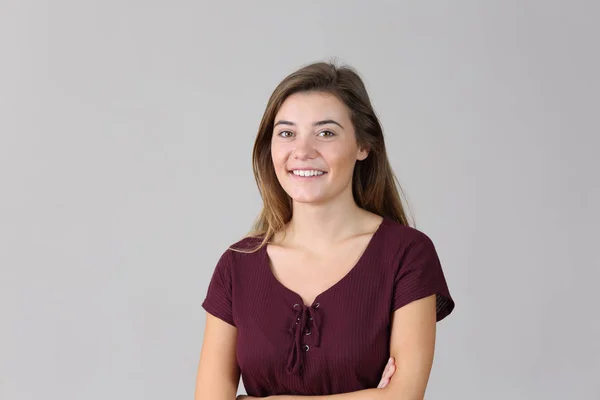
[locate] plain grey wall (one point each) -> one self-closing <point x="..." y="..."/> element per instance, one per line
<point x="126" y="136"/>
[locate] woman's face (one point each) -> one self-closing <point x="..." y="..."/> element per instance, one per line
<point x="314" y="147"/>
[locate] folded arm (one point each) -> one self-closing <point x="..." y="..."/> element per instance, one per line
<point x="412" y="344"/>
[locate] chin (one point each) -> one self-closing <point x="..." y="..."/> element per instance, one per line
<point x="309" y="199"/>
<point x="305" y="201"/>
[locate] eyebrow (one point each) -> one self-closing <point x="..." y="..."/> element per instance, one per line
<point x="318" y="123"/>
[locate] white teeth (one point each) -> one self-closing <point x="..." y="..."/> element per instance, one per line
<point x="307" y="173"/>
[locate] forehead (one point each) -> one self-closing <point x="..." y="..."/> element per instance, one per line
<point x="312" y="106"/>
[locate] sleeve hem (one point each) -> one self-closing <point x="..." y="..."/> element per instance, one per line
<point x="218" y="313"/>
<point x="444" y="303"/>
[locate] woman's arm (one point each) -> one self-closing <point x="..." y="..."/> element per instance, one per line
<point x="367" y="394"/>
<point x="412" y="345"/>
<point x="218" y="373"/>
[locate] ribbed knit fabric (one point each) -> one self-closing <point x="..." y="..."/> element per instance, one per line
<point x="338" y="344"/>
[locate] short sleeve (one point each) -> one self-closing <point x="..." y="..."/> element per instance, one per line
<point x="420" y="275"/>
<point x="218" y="300"/>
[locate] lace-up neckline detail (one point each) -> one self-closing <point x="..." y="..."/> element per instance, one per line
<point x="306" y="323"/>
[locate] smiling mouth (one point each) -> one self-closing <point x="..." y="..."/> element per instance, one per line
<point x="307" y="173"/>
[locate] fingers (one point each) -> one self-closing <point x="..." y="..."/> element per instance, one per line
<point x="388" y="372"/>
<point x="388" y="376"/>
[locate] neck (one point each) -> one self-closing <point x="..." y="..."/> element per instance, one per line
<point x="321" y="226"/>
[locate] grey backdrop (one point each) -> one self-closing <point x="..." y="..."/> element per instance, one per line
<point x="127" y="129"/>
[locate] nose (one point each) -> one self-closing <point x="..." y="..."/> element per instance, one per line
<point x="304" y="149"/>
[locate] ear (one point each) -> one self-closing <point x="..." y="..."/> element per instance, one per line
<point x="362" y="153"/>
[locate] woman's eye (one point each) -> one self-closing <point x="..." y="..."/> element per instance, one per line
<point x="330" y="134"/>
<point x="284" y="133"/>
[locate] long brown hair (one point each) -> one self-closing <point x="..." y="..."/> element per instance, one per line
<point x="375" y="187"/>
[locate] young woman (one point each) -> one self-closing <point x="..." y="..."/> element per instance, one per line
<point x="331" y="282"/>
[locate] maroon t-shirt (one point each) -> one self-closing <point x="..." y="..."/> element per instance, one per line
<point x="338" y="344"/>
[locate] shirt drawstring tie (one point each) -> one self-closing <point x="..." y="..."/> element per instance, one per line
<point x="304" y="317"/>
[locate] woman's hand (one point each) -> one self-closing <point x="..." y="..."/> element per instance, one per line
<point x="388" y="372"/>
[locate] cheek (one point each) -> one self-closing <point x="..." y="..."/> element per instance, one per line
<point x="341" y="159"/>
<point x="278" y="155"/>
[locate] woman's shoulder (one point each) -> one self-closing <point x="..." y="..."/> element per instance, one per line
<point x="245" y="244"/>
<point x="403" y="235"/>
<point x="239" y="255"/>
<point x="243" y="249"/>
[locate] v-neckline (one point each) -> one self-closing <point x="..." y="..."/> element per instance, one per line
<point x="266" y="262"/>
